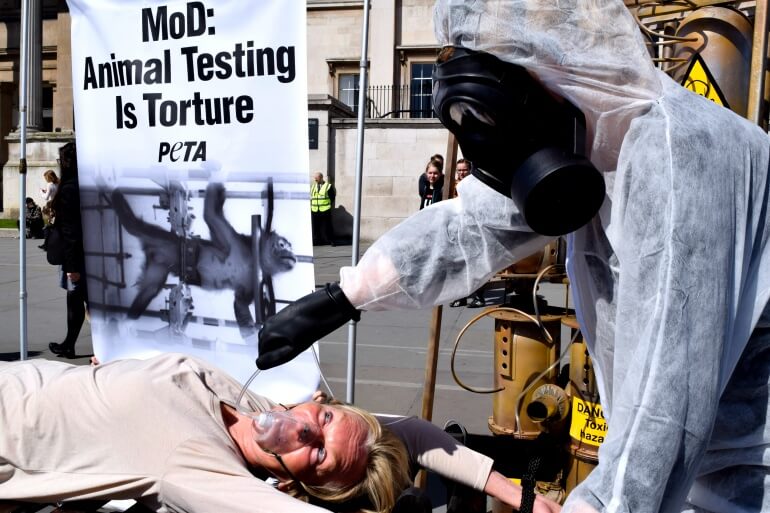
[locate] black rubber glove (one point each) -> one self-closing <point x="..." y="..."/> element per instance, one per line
<point x="295" y="328"/>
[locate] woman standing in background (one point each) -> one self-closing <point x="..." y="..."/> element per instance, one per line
<point x="430" y="184"/>
<point x="47" y="193"/>
<point x="66" y="211"/>
<point x="51" y="184"/>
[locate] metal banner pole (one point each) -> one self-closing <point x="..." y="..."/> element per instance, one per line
<point x="23" y="86"/>
<point x="756" y="108"/>
<point x="351" y="371"/>
<point x="431" y="355"/>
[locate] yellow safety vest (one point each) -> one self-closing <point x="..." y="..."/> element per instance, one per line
<point x="319" y="198"/>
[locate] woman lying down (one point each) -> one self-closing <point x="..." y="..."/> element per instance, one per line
<point x="164" y="432"/>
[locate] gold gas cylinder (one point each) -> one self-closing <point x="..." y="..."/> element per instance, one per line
<point x="587" y="425"/>
<point x="552" y="253"/>
<point x="522" y="353"/>
<point x="719" y="54"/>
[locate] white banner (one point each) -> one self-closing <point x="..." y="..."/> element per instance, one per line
<point x="191" y="127"/>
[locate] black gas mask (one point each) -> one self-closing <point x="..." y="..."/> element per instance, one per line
<point x="523" y="142"/>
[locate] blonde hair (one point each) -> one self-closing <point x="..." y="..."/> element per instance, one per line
<point x="435" y="163"/>
<point x="387" y="470"/>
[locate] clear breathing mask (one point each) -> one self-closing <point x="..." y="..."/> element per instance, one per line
<point x="277" y="432"/>
<point x="280" y="432"/>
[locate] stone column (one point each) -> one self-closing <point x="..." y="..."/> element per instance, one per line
<point x="35" y="82"/>
<point x="62" y="94"/>
<point x="382" y="42"/>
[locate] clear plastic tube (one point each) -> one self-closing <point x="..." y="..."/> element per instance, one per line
<point x="243" y="392"/>
<point x="243" y="410"/>
<point x="320" y="372"/>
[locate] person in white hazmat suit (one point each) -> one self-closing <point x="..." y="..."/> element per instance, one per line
<point x="671" y="275"/>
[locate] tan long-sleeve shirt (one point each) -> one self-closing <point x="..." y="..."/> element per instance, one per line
<point x="152" y="430"/>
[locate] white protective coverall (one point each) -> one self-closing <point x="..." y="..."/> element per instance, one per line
<point x="671" y="279"/>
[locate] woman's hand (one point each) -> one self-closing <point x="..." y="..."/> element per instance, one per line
<point x="543" y="505"/>
<point x="505" y="490"/>
<point x="73" y="277"/>
<point x="321" y="397"/>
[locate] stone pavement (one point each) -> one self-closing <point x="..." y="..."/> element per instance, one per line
<point x="46" y="308"/>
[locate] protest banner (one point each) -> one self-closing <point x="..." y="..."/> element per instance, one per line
<point x="191" y="130"/>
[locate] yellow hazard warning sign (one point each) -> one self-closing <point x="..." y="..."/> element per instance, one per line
<point x="699" y="80"/>
<point x="588" y="424"/>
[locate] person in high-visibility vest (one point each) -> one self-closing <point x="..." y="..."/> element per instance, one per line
<point x="321" y="204"/>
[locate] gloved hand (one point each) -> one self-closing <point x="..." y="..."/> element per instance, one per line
<point x="292" y="330"/>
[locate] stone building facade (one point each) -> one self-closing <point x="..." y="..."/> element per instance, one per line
<point x="400" y="136"/>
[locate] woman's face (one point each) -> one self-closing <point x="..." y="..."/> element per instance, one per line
<point x="433" y="174"/>
<point x="463" y="170"/>
<point x="337" y="456"/>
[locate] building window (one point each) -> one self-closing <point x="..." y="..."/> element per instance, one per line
<point x="421" y="90"/>
<point x="349" y="90"/>
<point x="47" y="108"/>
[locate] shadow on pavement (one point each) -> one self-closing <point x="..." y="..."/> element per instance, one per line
<point x="12" y="357"/>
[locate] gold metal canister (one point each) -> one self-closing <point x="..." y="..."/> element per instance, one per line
<point x="587" y="423"/>
<point x="722" y="37"/>
<point x="522" y="353"/>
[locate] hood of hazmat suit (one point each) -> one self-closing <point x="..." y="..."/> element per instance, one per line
<point x="671" y="278"/>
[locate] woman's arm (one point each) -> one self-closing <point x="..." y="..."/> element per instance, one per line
<point x="434" y="449"/>
<point x="67" y="212"/>
<point x="422" y="185"/>
<point x="505" y="490"/>
<point x="50" y="191"/>
<point x="445" y="253"/>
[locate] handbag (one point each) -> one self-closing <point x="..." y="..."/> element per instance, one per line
<point x="54" y="245"/>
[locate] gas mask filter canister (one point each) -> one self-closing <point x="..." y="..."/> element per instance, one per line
<point x="524" y="142"/>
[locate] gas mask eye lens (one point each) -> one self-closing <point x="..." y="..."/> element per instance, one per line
<point x="464" y="114"/>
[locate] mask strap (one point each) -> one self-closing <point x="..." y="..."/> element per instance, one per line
<point x="286" y="469"/>
<point x="280" y="460"/>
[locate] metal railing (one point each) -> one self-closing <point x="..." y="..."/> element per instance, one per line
<point x="397" y="102"/>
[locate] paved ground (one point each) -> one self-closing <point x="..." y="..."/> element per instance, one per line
<point x="391" y="346"/>
<point x="45" y="304"/>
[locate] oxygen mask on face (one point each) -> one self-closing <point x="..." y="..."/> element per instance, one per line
<point x="280" y="432"/>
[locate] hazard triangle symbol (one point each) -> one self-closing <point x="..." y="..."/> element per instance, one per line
<point x="699" y="80"/>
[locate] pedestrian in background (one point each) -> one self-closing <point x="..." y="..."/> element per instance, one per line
<point x="439" y="160"/>
<point x="47" y="193"/>
<point x="66" y="211"/>
<point x="33" y="218"/>
<point x="322" y="195"/>
<point x="463" y="169"/>
<point x="430" y="183"/>
<point x="51" y="184"/>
